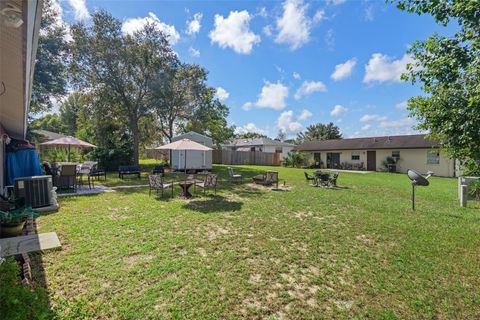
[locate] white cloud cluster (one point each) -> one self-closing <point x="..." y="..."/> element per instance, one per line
<point x="372" y="117"/>
<point x="309" y="87"/>
<point x="402" y="123"/>
<point x="366" y="127"/>
<point x="335" y="2"/>
<point x="194" y="25"/>
<point x="193" y="52"/>
<point x="247" y="106"/>
<point x="338" y="110"/>
<point x="249" y="127"/>
<point x="294" y="26"/>
<point x="296" y="76"/>
<point x="343" y="70"/>
<point x="234" y="32"/>
<point x="79" y="9"/>
<point x="272" y="96"/>
<point x="402" y="105"/>
<point x="132" y="25"/>
<point x="382" y="68"/>
<point x="288" y="123"/>
<point x="304" y="115"/>
<point x="222" y="94"/>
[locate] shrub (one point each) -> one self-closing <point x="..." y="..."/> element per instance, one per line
<point x="18" y="302"/>
<point x="294" y="159"/>
<point x="474" y="189"/>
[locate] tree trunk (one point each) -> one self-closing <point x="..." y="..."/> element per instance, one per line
<point x="136" y="139"/>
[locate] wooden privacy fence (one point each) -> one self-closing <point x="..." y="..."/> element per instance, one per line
<point x="246" y="157"/>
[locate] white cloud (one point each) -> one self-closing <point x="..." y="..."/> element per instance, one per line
<point x="194" y="25"/>
<point x="59" y="20"/>
<point x="288" y="124"/>
<point x="79" y="9"/>
<point x="249" y="127"/>
<point x="234" y="32"/>
<point x="222" y="94"/>
<point x="194" y="52"/>
<point x="403" y="123"/>
<point x="272" y="96"/>
<point x="335" y="2"/>
<point x="343" y="70"/>
<point x="247" y="106"/>
<point x="267" y="30"/>
<point x="369" y="13"/>
<point x="402" y="105"/>
<point x="372" y="117"/>
<point x="304" y="115"/>
<point x="338" y="110"/>
<point x="309" y="87"/>
<point x="319" y="16"/>
<point x="294" y="25"/>
<point x="297" y="76"/>
<point x="132" y="25"/>
<point x="366" y="127"/>
<point x="330" y="39"/>
<point x="382" y="68"/>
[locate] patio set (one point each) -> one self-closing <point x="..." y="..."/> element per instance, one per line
<point x="322" y="179"/>
<point x="203" y="180"/>
<point x="67" y="175"/>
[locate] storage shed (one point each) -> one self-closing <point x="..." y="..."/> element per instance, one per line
<point x="196" y="160"/>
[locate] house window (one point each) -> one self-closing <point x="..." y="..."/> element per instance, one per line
<point x="355" y="155"/>
<point x="396" y="155"/>
<point x="433" y="157"/>
<point x="278" y="149"/>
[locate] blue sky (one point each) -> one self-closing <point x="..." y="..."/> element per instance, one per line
<point x="282" y="65"/>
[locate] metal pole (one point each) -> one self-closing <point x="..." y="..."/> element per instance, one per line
<point x="413" y="196"/>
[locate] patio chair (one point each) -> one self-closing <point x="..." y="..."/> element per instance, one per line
<point x="333" y="180"/>
<point x="68" y="177"/>
<point x="85" y="170"/>
<point x="156" y="182"/>
<point x="234" y="177"/>
<point x="210" y="181"/>
<point x="310" y="178"/>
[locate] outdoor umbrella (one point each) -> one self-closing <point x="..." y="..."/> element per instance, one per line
<point x="185" y="145"/>
<point x="67" y="142"/>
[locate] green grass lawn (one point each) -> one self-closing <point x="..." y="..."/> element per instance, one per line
<point x="251" y="252"/>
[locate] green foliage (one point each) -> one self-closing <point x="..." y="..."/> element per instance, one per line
<point x="474" y="189"/>
<point x="319" y="131"/>
<point x="471" y="168"/>
<point x="294" y="159"/>
<point x="250" y="135"/>
<point x="388" y="161"/>
<point x="18" y="302"/>
<point x="448" y="68"/>
<point x="17" y="216"/>
<point x="49" y="122"/>
<point x="49" y="79"/>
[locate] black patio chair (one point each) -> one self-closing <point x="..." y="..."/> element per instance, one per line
<point x="333" y="180"/>
<point x="310" y="178"/>
<point x="210" y="181"/>
<point x="157" y="183"/>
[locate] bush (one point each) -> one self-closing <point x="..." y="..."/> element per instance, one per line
<point x="472" y="168"/>
<point x="294" y="159"/>
<point x="18" y="302"/>
<point x="474" y="189"/>
<point x="110" y="159"/>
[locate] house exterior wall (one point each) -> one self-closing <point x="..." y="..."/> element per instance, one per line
<point x="415" y="159"/>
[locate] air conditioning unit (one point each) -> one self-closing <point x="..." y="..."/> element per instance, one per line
<point x="36" y="190"/>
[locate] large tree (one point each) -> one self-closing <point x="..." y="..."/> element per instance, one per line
<point x="319" y="131"/>
<point x="49" y="78"/>
<point x="120" y="68"/>
<point x="210" y="118"/>
<point x="177" y="96"/>
<point x="448" y="70"/>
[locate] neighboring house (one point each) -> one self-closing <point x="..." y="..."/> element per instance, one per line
<point x="19" y="30"/>
<point x="260" y="144"/>
<point x="195" y="160"/>
<point x="413" y="151"/>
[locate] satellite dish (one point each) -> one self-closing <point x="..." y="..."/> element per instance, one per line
<point x="417" y="180"/>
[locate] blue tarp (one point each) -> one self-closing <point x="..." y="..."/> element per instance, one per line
<point x="22" y="163"/>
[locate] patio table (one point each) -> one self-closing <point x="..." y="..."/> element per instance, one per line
<point x="185" y="185"/>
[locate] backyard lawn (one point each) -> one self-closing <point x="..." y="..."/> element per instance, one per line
<point x="251" y="252"/>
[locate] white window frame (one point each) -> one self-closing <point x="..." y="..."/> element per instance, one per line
<point x="355" y="154"/>
<point x="430" y="157"/>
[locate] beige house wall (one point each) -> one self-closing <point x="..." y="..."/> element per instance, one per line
<point x="415" y="159"/>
